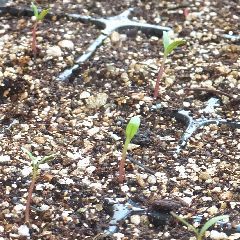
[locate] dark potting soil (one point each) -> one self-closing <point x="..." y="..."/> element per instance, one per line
<point x="84" y="120"/>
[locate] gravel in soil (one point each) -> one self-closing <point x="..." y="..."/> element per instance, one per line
<point x="84" y="120"/>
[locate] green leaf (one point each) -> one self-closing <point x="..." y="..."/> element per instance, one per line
<point x="47" y="158"/>
<point x="28" y="153"/>
<point x="35" y="10"/>
<point x="174" y="44"/>
<point x="190" y="226"/>
<point x="211" y="222"/>
<point x="166" y="40"/>
<point x="132" y="127"/>
<point x="42" y="15"/>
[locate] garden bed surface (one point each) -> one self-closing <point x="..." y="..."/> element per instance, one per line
<point x="83" y="120"/>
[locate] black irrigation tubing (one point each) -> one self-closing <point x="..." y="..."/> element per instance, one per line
<point x="194" y="124"/>
<point x="121" y="211"/>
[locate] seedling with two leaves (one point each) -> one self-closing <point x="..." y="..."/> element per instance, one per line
<point x="38" y="18"/>
<point x="200" y="233"/>
<point x="131" y="130"/>
<point x="35" y="164"/>
<point x="169" y="46"/>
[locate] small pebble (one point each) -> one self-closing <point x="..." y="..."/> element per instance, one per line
<point x="5" y="158"/>
<point x="66" y="44"/>
<point x="83" y="163"/>
<point x="97" y="101"/>
<point x="204" y="176"/>
<point x="169" y="81"/>
<point x="118" y="236"/>
<point x="84" y="95"/>
<point x="135" y="219"/>
<point x="19" y="208"/>
<point x="152" y="179"/>
<point x="213" y="210"/>
<point x="23" y="230"/>
<point x="215" y="235"/>
<point x="26" y="171"/>
<point x="93" y="131"/>
<point x="44" y="207"/>
<point x="115" y="37"/>
<point x="54" y="51"/>
<point x="125" y="188"/>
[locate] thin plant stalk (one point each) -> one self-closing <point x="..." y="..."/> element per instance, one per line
<point x="39" y="16"/>
<point x="122" y="162"/>
<point x="159" y="77"/>
<point x="131" y="130"/>
<point x="29" y="198"/>
<point x="34" y="40"/>
<point x="35" y="171"/>
<point x="168" y="46"/>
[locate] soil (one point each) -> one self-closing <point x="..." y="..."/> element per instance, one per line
<point x="83" y="120"/>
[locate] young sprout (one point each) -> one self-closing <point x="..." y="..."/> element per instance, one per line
<point x="35" y="163"/>
<point x="131" y="130"/>
<point x="200" y="233"/>
<point x="168" y="46"/>
<point x="38" y="18"/>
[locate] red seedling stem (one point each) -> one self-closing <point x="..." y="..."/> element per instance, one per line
<point x="185" y="12"/>
<point x="159" y="77"/>
<point x="29" y="198"/>
<point x="121" y="177"/>
<point x="34" y="40"/>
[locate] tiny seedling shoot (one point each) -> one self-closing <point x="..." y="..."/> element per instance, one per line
<point x="168" y="46"/>
<point x="131" y="130"/>
<point x="35" y="163"/>
<point x="200" y="233"/>
<point x="38" y="17"/>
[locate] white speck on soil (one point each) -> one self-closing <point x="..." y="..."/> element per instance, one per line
<point x="97" y="101"/>
<point x="114" y="136"/>
<point x="125" y="188"/>
<point x="135" y="219"/>
<point x="4" y="158"/>
<point x="44" y="166"/>
<point x="23" y="230"/>
<point x="19" y="208"/>
<point x="66" y="44"/>
<point x="84" y="95"/>
<point x="215" y="235"/>
<point x="90" y="169"/>
<point x="54" y="51"/>
<point x="118" y="236"/>
<point x="93" y="131"/>
<point x="83" y="163"/>
<point x="26" y="171"/>
<point x="44" y="207"/>
<point x="152" y="179"/>
<point x="115" y="37"/>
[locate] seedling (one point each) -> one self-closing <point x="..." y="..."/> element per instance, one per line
<point x="38" y="18"/>
<point x="168" y="46"/>
<point x="131" y="130"/>
<point x="35" y="163"/>
<point x="200" y="233"/>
